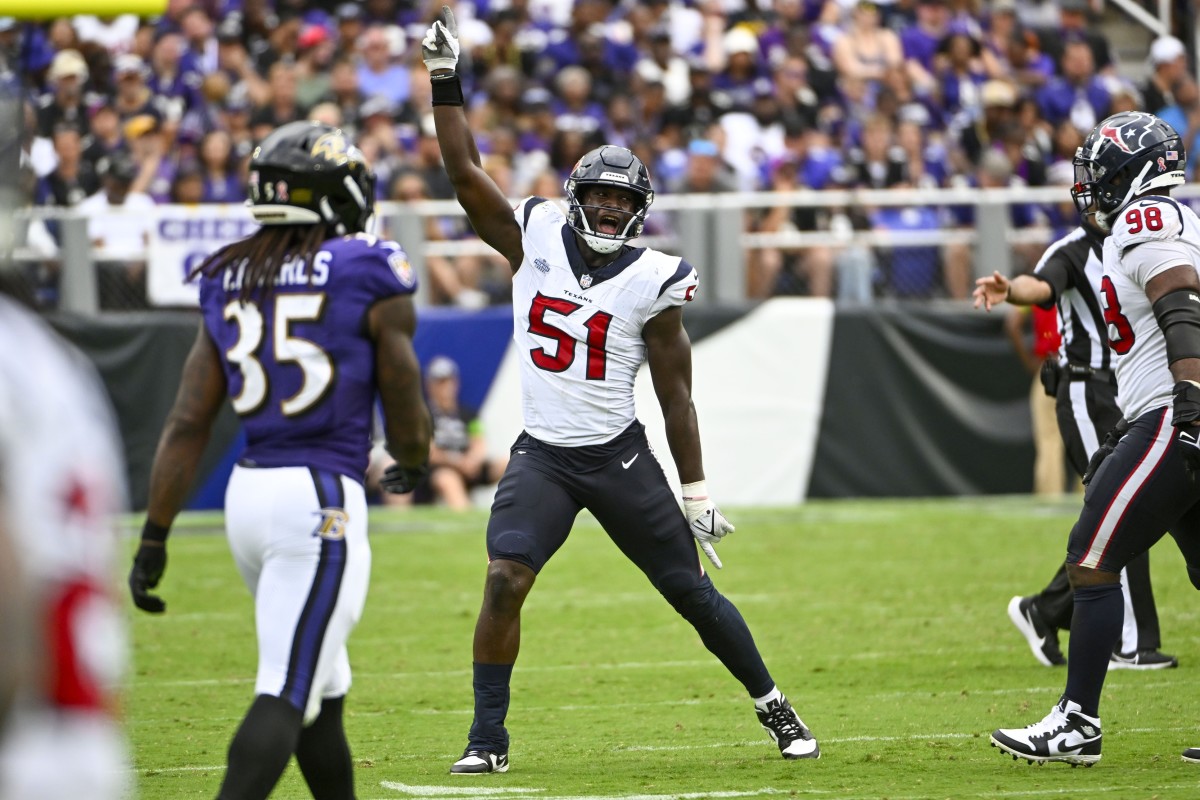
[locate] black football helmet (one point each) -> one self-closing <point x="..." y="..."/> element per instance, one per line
<point x="612" y="166"/>
<point x="306" y="172"/>
<point x="1124" y="157"/>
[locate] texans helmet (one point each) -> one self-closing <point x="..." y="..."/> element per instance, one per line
<point x="1124" y="157"/>
<point x="610" y="166"/>
<point x="306" y="172"/>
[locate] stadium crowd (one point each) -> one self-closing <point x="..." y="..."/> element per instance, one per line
<point x="714" y="95"/>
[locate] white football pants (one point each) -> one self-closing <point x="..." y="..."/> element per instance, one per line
<point x="299" y="538"/>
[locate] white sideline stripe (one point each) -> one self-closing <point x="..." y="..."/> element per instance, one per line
<point x="990" y="793"/>
<point x="460" y="793"/>
<point x="746" y="743"/>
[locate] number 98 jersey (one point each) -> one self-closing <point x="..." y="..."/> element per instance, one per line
<point x="578" y="334"/>
<point x="1149" y="236"/>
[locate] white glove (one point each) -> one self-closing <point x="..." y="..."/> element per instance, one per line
<point x="440" y="47"/>
<point x="706" y="521"/>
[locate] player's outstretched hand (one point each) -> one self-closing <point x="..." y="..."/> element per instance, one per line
<point x="402" y="480"/>
<point x="149" y="563"/>
<point x="991" y="290"/>
<point x="440" y="48"/>
<point x="705" y="520"/>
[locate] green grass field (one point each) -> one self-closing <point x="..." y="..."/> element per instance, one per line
<point x="884" y="622"/>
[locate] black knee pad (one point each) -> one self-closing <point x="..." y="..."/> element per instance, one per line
<point x="691" y="598"/>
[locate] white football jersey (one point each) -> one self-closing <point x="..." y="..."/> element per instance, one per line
<point x="61" y="481"/>
<point x="579" y="334"/>
<point x="1149" y="236"/>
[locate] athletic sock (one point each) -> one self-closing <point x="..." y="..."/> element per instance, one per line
<point x="260" y="749"/>
<point x="324" y="754"/>
<point x="774" y="694"/>
<point x="491" y="683"/>
<point x="1095" y="629"/>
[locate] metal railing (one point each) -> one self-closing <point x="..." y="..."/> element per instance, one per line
<point x="708" y="230"/>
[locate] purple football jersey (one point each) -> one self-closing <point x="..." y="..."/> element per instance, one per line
<point x="301" y="366"/>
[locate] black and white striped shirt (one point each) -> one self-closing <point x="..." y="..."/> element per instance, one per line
<point x="1074" y="266"/>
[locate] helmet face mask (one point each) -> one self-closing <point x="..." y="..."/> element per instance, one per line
<point x="305" y="173"/>
<point x="606" y="223"/>
<point x="1124" y="157"/>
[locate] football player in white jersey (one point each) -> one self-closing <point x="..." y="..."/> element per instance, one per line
<point x="588" y="309"/>
<point x="1147" y="485"/>
<point x="1084" y="384"/>
<point x="61" y="482"/>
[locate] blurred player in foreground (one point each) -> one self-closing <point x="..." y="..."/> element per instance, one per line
<point x="62" y="639"/>
<point x="303" y="322"/>
<point x="587" y="311"/>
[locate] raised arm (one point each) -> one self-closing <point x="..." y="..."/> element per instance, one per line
<point x="486" y="206"/>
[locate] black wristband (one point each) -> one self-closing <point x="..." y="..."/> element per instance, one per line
<point x="447" y="89"/>
<point x="154" y="533"/>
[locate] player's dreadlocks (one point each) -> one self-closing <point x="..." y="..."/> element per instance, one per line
<point x="262" y="255"/>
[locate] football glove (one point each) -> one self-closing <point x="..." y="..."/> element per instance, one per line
<point x="1189" y="446"/>
<point x="440" y="48"/>
<point x="705" y="520"/>
<point x="149" y="563"/>
<point x="402" y="480"/>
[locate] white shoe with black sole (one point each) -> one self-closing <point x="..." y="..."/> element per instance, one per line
<point x="1066" y="734"/>
<point x="480" y="762"/>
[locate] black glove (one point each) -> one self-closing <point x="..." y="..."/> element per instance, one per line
<point x="402" y="480"/>
<point x="148" y="565"/>
<point x="1189" y="446"/>
<point x="1104" y="451"/>
<point x="1186" y="405"/>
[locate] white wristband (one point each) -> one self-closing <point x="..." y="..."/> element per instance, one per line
<point x="694" y="491"/>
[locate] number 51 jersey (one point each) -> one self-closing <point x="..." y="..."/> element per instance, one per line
<point x="578" y="333"/>
<point x="1149" y="236"/>
<point x="300" y="365"/>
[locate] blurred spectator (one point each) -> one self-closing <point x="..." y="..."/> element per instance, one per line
<point x="67" y="76"/>
<point x="998" y="100"/>
<point x="960" y="75"/>
<point x="672" y="66"/>
<point x="458" y="459"/>
<point x="349" y="28"/>
<point x="281" y="106"/>
<point x="73" y="178"/>
<point x="344" y="93"/>
<point x="133" y="97"/>
<point x="1074" y="25"/>
<point x="176" y="89"/>
<point x="452" y="281"/>
<point x="574" y="109"/>
<point x="922" y="40"/>
<point x="1077" y="95"/>
<point x="218" y="168"/>
<point x="876" y="163"/>
<point x="866" y="50"/>
<point x="187" y="187"/>
<point x="378" y="75"/>
<point x="1168" y="65"/>
<point x="105" y="137"/>
<point x="734" y="85"/>
<point x="199" y="40"/>
<point x="119" y="224"/>
<point x="706" y="171"/>
<point x="316" y="51"/>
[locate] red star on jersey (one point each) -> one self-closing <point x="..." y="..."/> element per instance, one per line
<point x="77" y="500"/>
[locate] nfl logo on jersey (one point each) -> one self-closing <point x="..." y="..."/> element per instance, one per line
<point x="585" y="280"/>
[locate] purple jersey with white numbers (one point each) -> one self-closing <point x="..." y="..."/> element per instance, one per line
<point x="300" y="365"/>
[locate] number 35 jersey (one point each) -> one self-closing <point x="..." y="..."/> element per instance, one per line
<point x="1149" y="236"/>
<point x="578" y="334"/>
<point x="300" y="364"/>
